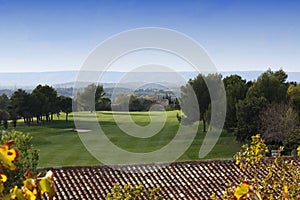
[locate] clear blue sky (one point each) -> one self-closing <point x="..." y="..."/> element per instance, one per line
<point x="238" y="35"/>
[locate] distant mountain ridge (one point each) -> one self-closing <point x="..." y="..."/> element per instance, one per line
<point x="110" y="78"/>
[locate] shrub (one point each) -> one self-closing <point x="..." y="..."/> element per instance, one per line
<point x="27" y="159"/>
<point x="32" y="185"/>
<point x="292" y="141"/>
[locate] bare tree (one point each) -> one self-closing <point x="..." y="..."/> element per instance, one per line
<point x="277" y="121"/>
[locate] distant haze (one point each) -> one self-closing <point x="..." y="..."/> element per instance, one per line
<point x="110" y="78"/>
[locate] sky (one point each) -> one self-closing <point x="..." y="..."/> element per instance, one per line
<point x="238" y="35"/>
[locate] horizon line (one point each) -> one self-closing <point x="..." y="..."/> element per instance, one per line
<point x="75" y="70"/>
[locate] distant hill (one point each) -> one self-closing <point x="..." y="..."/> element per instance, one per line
<point x="31" y="79"/>
<point x="65" y="79"/>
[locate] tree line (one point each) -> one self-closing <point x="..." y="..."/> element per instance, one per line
<point x="132" y="102"/>
<point x="41" y="104"/>
<point x="269" y="106"/>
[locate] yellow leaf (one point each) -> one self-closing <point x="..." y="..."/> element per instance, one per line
<point x="286" y="189"/>
<point x="286" y="192"/>
<point x="8" y="156"/>
<point x="15" y="193"/>
<point x="29" y="184"/>
<point x="241" y="190"/>
<point x="3" y="178"/>
<point x="213" y="196"/>
<point x="30" y="195"/>
<point x="46" y="185"/>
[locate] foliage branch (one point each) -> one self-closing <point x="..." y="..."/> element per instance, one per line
<point x="33" y="186"/>
<point x="280" y="182"/>
<point x="129" y="192"/>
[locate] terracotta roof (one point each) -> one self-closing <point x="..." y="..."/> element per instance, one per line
<point x="179" y="180"/>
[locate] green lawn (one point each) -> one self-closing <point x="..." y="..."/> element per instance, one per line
<point x="59" y="145"/>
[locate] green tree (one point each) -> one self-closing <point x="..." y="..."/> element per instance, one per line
<point x="91" y="97"/>
<point x="292" y="141"/>
<point x="51" y="101"/>
<point x="132" y="103"/>
<point x="20" y="105"/>
<point x="189" y="105"/>
<point x="103" y="104"/>
<point x="177" y="104"/>
<point x="200" y="88"/>
<point x="4" y="116"/>
<point x="248" y="112"/>
<point x="99" y="96"/>
<point x="6" y="106"/>
<point x="270" y="85"/>
<point x="39" y="105"/>
<point x="65" y="105"/>
<point x="236" y="89"/>
<point x="4" y="102"/>
<point x="121" y="102"/>
<point x="204" y="96"/>
<point x="294" y="94"/>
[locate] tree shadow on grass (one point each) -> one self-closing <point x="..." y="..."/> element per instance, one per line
<point x="142" y="113"/>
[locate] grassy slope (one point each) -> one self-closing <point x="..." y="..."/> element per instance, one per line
<point x="60" y="147"/>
